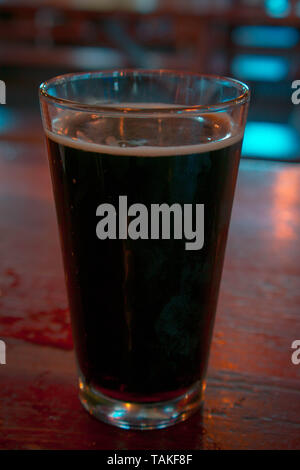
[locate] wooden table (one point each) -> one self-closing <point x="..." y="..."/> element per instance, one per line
<point x="253" y="394"/>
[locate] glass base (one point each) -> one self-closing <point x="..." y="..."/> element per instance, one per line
<point x="129" y="415"/>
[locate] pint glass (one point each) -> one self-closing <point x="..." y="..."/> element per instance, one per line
<point x="144" y="167"/>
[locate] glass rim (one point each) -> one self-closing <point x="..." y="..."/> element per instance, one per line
<point x="113" y="108"/>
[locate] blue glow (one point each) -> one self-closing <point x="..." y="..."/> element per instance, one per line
<point x="277" y="8"/>
<point x="270" y="140"/>
<point x="260" y="67"/>
<point x="265" y="36"/>
<point x="117" y="414"/>
<point x="7" y="118"/>
<point x="168" y="409"/>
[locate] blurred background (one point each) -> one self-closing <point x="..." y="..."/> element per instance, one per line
<point x="253" y="399"/>
<point x="257" y="41"/>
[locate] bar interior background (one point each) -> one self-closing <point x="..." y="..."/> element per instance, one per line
<point x="253" y="398"/>
<point x="257" y="41"/>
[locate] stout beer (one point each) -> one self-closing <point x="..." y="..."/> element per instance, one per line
<point x="142" y="309"/>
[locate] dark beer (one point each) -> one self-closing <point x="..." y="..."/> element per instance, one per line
<point x="142" y="310"/>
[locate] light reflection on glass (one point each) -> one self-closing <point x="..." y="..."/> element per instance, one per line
<point x="117" y="414"/>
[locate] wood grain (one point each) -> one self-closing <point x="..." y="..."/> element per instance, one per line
<point x="253" y="393"/>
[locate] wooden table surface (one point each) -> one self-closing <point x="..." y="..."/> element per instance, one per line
<point x="253" y="393"/>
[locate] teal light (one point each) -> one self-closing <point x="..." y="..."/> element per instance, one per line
<point x="270" y="140"/>
<point x="277" y="8"/>
<point x="7" y="118"/>
<point x="265" y="36"/>
<point x="260" y="67"/>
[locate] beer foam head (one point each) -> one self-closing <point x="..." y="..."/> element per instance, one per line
<point x="144" y="136"/>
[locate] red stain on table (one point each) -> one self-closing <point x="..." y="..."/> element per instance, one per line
<point x="32" y="292"/>
<point x="47" y="328"/>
